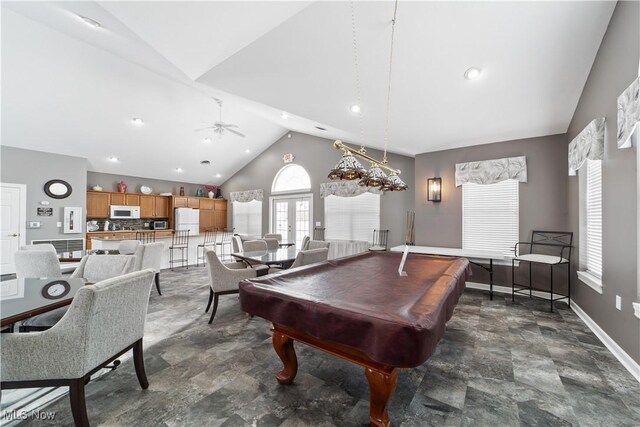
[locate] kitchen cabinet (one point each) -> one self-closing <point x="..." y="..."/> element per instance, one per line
<point x="193" y="202"/>
<point x="147" y="206"/>
<point x="98" y="205"/>
<point x="220" y="219"/>
<point x="118" y="199"/>
<point x="220" y="204"/>
<point x="207" y="204"/>
<point x="180" y="202"/>
<point x="162" y="207"/>
<point x="132" y="200"/>
<point x="207" y="220"/>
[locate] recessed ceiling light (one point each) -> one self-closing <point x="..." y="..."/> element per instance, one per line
<point x="206" y="140"/>
<point x="137" y="121"/>
<point x="178" y="169"/>
<point x="205" y="162"/>
<point x="355" y="108"/>
<point x="289" y="135"/>
<point x="90" y="22"/>
<point x="113" y="159"/>
<point x="320" y="128"/>
<point x="472" y="73"/>
<point x="284" y="116"/>
<point x="218" y="175"/>
<point x="247" y="151"/>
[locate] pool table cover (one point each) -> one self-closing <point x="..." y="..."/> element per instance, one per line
<point x="361" y="302"/>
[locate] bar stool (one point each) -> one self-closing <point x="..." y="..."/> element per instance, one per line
<point x="209" y="240"/>
<point x="318" y="233"/>
<point x="224" y="239"/>
<point x="179" y="242"/>
<point x="380" y="240"/>
<point x="146" y="236"/>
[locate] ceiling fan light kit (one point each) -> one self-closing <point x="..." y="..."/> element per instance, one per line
<point x="221" y="127"/>
<point x="349" y="168"/>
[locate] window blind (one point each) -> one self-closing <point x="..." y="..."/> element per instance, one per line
<point x="593" y="199"/>
<point x="247" y="218"/>
<point x="490" y="216"/>
<point x="352" y="218"/>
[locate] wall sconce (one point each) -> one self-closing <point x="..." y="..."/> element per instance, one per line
<point x="434" y="189"/>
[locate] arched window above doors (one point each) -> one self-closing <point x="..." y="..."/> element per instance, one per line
<point x="291" y="178"/>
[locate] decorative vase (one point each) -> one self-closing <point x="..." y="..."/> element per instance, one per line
<point x="210" y="194"/>
<point x="122" y="187"/>
<point x="199" y="192"/>
<point x="182" y="191"/>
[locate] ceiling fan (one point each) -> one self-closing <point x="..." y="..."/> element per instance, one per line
<point x="221" y="127"/>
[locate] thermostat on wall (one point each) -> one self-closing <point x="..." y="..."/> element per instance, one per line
<point x="34" y="224"/>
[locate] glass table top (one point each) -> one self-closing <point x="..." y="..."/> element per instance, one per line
<point x="269" y="256"/>
<point x="77" y="255"/>
<point x="21" y="296"/>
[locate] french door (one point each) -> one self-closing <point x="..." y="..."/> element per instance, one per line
<point x="291" y="216"/>
<point x="12" y="223"/>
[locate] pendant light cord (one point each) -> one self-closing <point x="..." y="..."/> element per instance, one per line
<point x="356" y="73"/>
<point x="386" y="131"/>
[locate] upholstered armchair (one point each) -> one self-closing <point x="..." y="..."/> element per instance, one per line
<point x="224" y="278"/>
<point x="254" y="245"/>
<point x="37" y="263"/>
<point x="272" y="243"/>
<point x="311" y="256"/>
<point x="317" y="244"/>
<point x="104" y="321"/>
<point x="128" y="247"/>
<point x="150" y="256"/>
<point x="305" y="242"/>
<point x="95" y="268"/>
<point x="236" y="244"/>
<point x="276" y="236"/>
<point x="41" y="247"/>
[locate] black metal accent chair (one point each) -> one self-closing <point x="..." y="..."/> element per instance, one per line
<point x="209" y="240"/>
<point x="380" y="240"/>
<point x="180" y="242"/>
<point x="552" y="248"/>
<point x="318" y="233"/>
<point x="146" y="236"/>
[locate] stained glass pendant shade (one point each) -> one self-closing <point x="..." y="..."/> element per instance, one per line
<point x="395" y="183"/>
<point x="348" y="168"/>
<point x="375" y="177"/>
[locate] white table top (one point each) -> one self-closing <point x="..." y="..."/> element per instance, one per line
<point x="465" y="253"/>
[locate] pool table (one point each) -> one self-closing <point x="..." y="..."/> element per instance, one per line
<point x="360" y="309"/>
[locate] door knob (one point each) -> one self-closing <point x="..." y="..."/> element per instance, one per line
<point x="13" y="235"/>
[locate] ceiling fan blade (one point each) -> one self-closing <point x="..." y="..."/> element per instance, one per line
<point x="236" y="132"/>
<point x="229" y="125"/>
<point x="205" y="128"/>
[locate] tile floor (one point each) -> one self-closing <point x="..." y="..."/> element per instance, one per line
<point x="499" y="364"/>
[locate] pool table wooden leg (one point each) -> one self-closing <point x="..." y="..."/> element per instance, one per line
<point x="284" y="347"/>
<point x="381" y="387"/>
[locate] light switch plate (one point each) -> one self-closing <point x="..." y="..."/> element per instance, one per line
<point x="618" y="302"/>
<point x="318" y="224"/>
<point x="58" y="224"/>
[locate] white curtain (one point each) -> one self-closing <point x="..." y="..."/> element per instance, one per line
<point x="628" y="113"/>
<point x="492" y="171"/>
<point x="246" y="196"/>
<point x="588" y="144"/>
<point x="345" y="189"/>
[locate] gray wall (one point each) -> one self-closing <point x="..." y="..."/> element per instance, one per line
<point x="542" y="198"/>
<point x="109" y="183"/>
<point x="34" y="168"/>
<point x="614" y="68"/>
<point x="318" y="156"/>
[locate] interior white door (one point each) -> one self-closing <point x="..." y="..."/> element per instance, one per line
<point x="291" y="217"/>
<point x="12" y="224"/>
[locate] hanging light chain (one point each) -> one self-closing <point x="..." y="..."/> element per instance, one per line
<point x="356" y="72"/>
<point x="386" y="130"/>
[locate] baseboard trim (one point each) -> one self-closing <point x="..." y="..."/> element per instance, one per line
<point x="507" y="290"/>
<point x="631" y="365"/>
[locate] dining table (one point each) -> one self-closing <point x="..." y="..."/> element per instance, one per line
<point x="282" y="256"/>
<point x="23" y="298"/>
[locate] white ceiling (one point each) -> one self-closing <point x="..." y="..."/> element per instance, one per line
<point x="72" y="89"/>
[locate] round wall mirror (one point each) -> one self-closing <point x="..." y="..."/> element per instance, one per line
<point x="57" y="189"/>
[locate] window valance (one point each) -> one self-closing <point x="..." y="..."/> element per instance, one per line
<point x="588" y="144"/>
<point x="628" y="113"/>
<point x="492" y="171"/>
<point x="246" y="196"/>
<point x="344" y="189"/>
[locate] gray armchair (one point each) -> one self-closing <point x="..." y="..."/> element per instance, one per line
<point x="40" y="247"/>
<point x="255" y="245"/>
<point x="276" y="236"/>
<point x="236" y="244"/>
<point x="95" y="268"/>
<point x="224" y="278"/>
<point x="103" y="322"/>
<point x="128" y="247"/>
<point x="311" y="256"/>
<point x="272" y="243"/>
<point x="37" y="263"/>
<point x="305" y="242"/>
<point x="150" y="256"/>
<point x="317" y="244"/>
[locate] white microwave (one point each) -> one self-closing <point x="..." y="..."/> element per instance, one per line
<point x="125" y="212"/>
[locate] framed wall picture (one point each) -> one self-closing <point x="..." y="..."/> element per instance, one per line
<point x="45" y="211"/>
<point x="72" y="220"/>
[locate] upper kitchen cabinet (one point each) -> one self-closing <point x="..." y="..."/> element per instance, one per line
<point x="207" y="204"/>
<point x="118" y="199"/>
<point x="97" y="205"/>
<point x="147" y="206"/>
<point x="162" y="207"/>
<point x="132" y="199"/>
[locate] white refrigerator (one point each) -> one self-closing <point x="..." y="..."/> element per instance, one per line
<point x="188" y="219"/>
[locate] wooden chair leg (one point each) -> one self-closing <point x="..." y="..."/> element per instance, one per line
<point x="138" y="361"/>
<point x="78" y="405"/>
<point x="210" y="299"/>
<point x="215" y="307"/>
<point x="157" y="280"/>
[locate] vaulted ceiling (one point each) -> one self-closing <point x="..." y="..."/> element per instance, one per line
<point x="73" y="89"/>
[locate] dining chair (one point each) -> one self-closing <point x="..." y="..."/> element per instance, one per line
<point x="104" y="321"/>
<point x="209" y="240"/>
<point x="305" y="242"/>
<point x="276" y="236"/>
<point x="236" y="244"/>
<point x="128" y="247"/>
<point x="312" y="256"/>
<point x="318" y="233"/>
<point x="180" y="242"/>
<point x="146" y="236"/>
<point x="224" y="278"/>
<point x="272" y="243"/>
<point x="317" y="244"/>
<point x="255" y="245"/>
<point x="37" y="263"/>
<point x="39" y="247"/>
<point x="380" y="240"/>
<point x="150" y="256"/>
